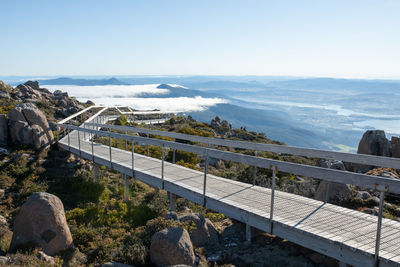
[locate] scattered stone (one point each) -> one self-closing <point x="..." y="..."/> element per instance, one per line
<point x="172" y="246"/>
<point x="3" y="220"/>
<point x="204" y="233"/>
<point x="115" y="264"/>
<point x="46" y="258"/>
<point x="171" y="216"/>
<point x="41" y="223"/>
<point x="364" y="195"/>
<point x="4" y="260"/>
<point x="89" y="102"/>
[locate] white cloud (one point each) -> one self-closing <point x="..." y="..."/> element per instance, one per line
<point x="128" y="95"/>
<point x="91" y="92"/>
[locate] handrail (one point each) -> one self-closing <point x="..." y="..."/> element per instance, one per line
<point x="307" y="152"/>
<point x="78" y="113"/>
<point x="331" y="175"/>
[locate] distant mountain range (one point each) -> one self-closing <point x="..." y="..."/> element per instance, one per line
<point x="82" y="82"/>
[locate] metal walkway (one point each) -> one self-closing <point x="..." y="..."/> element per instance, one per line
<point x="346" y="235"/>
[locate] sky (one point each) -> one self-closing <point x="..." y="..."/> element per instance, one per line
<point x="338" y="38"/>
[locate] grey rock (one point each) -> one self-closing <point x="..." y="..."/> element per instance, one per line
<point x="172" y="246"/>
<point x="115" y="264"/>
<point x="4" y="94"/>
<point x="42" y="222"/>
<point x="374" y="142"/>
<point x="364" y="195"/>
<point x="3" y="129"/>
<point x="4" y="260"/>
<point x="204" y="233"/>
<point x="395" y="146"/>
<point x="46" y="258"/>
<point x="337" y="192"/>
<point x="171" y="216"/>
<point x="3" y="220"/>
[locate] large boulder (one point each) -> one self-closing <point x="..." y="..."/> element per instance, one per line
<point x="374" y="142"/>
<point x="3" y="129"/>
<point x="41" y="223"/>
<point x="337" y="192"/>
<point x="204" y="233"/>
<point x="395" y="146"/>
<point x="172" y="246"/>
<point x="29" y="126"/>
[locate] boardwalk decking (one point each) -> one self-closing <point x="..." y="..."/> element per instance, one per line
<point x="341" y="233"/>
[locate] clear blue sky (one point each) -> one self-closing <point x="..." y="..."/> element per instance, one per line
<point x="349" y="38"/>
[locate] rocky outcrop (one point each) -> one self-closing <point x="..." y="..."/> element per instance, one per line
<point x="41" y="223"/>
<point x="337" y="192"/>
<point x="204" y="233"/>
<point x="3" y="129"/>
<point x="374" y="142"/>
<point x="29" y="126"/>
<point x="395" y="146"/>
<point x="172" y="246"/>
<point x="115" y="264"/>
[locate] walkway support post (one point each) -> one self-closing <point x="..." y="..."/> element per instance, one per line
<point x="327" y="191"/>
<point x="126" y="187"/>
<point x="172" y="202"/>
<point x="162" y="165"/>
<point x="379" y="228"/>
<point x="248" y="232"/>
<point x="271" y="212"/>
<point x="255" y="170"/>
<point x="96" y="172"/>
<point x="205" y="178"/>
<point x="126" y="142"/>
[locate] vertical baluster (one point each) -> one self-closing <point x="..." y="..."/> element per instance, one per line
<point x="69" y="142"/>
<point x="271" y="212"/>
<point x="205" y="178"/>
<point x="379" y="228"/>
<point x="173" y="154"/>
<point x="148" y="154"/>
<point x="109" y="144"/>
<point x="91" y="136"/>
<point x="162" y="165"/>
<point x="126" y="142"/>
<point x="133" y="158"/>
<point x="255" y="170"/>
<point x="79" y="144"/>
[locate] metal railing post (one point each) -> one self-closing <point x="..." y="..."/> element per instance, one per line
<point x="148" y="153"/>
<point x="205" y="179"/>
<point x="91" y="137"/>
<point x="162" y="165"/>
<point x="255" y="170"/>
<point x="126" y="142"/>
<point x="133" y="158"/>
<point x="79" y="144"/>
<point x="271" y="212"/>
<point x="379" y="228"/>
<point x="69" y="142"/>
<point x="173" y="154"/>
<point x="109" y="144"/>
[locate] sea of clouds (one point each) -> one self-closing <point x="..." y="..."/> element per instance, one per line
<point x="129" y="95"/>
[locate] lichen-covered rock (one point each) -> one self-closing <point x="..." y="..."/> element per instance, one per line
<point x="29" y="126"/>
<point x="41" y="223"/>
<point x="3" y="129"/>
<point x="172" y="246"/>
<point x="204" y="232"/>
